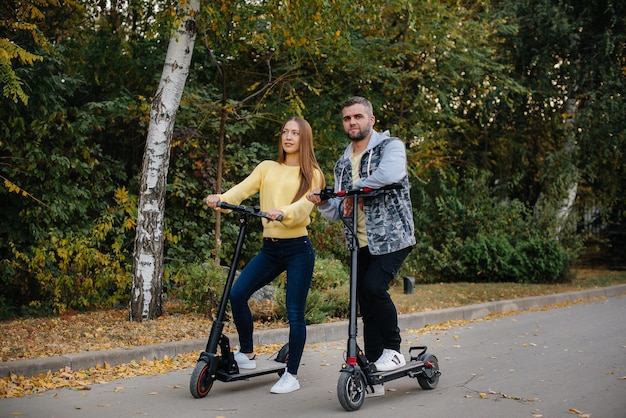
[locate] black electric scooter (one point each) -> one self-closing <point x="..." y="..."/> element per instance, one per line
<point x="357" y="374"/>
<point x="212" y="366"/>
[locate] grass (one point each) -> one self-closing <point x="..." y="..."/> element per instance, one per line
<point x="428" y="297"/>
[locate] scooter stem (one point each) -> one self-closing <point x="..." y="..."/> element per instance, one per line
<point x="218" y="324"/>
<point x="352" y="328"/>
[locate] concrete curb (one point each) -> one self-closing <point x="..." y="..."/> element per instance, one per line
<point x="319" y="333"/>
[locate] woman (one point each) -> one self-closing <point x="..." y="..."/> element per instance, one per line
<point x="283" y="186"/>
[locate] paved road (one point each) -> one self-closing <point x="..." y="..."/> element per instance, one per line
<point x="548" y="363"/>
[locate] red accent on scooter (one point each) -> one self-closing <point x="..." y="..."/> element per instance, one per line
<point x="428" y="365"/>
<point x="351" y="361"/>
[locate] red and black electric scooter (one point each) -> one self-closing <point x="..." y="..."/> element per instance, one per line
<point x="211" y="365"/>
<point x="357" y="373"/>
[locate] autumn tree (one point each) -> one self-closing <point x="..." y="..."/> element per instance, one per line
<point x="569" y="55"/>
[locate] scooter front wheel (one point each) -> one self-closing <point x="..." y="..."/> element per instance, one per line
<point x="351" y="390"/>
<point x="201" y="382"/>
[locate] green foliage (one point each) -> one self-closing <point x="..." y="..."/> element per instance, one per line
<point x="467" y="233"/>
<point x="73" y="270"/>
<point x="11" y="83"/>
<point x="199" y="286"/>
<point x="328" y="239"/>
<point x="329" y="294"/>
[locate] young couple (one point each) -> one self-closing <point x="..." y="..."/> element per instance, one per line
<point x="289" y="187"/>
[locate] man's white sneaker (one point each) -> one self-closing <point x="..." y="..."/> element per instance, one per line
<point x="244" y="362"/>
<point x="374" y="391"/>
<point x="287" y="383"/>
<point x="389" y="360"/>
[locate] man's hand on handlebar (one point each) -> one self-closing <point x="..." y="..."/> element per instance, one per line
<point x="314" y="197"/>
<point x="348" y="204"/>
<point x="319" y="196"/>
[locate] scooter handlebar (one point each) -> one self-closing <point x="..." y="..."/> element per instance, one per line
<point x="328" y="192"/>
<point x="254" y="211"/>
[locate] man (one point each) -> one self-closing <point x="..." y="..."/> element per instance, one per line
<point x="385" y="227"/>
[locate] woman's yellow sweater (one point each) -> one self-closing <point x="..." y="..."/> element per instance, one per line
<point x="277" y="185"/>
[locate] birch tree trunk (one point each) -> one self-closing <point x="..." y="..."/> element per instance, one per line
<point x="556" y="201"/>
<point x="147" y="287"/>
<point x="564" y="211"/>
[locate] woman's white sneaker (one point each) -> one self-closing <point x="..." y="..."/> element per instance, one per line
<point x="287" y="383"/>
<point x="244" y="362"/>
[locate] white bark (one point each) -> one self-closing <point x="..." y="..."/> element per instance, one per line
<point x="567" y="203"/>
<point x="147" y="286"/>
<point x="558" y="198"/>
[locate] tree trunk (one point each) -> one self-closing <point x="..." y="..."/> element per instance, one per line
<point x="564" y="211"/>
<point x="147" y="287"/>
<point x="556" y="201"/>
<point x="220" y="164"/>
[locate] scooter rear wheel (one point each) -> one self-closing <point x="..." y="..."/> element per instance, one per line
<point x="430" y="376"/>
<point x="201" y="382"/>
<point x="351" y="390"/>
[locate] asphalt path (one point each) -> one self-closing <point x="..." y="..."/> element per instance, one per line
<point x="560" y="362"/>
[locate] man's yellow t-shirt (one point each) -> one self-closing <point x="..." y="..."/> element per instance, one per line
<point x="361" y="234"/>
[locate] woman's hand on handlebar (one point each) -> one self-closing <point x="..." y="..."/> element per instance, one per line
<point x="211" y="200"/>
<point x="275" y="214"/>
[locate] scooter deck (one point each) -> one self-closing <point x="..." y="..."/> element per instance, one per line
<point x="263" y="366"/>
<point x="409" y="369"/>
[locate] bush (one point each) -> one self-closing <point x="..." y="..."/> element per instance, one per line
<point x="543" y="260"/>
<point x="466" y="232"/>
<point x="199" y="286"/>
<point x="81" y="269"/>
<point x="328" y="296"/>
<point x="328" y="239"/>
<point x="70" y="273"/>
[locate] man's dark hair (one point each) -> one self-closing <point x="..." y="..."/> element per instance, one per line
<point x="359" y="100"/>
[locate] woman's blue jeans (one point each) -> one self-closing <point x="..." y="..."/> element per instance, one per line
<point x="295" y="256"/>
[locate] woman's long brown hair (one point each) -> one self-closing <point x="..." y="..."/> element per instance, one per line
<point x="308" y="162"/>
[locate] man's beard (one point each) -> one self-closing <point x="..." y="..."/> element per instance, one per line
<point x="361" y="135"/>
